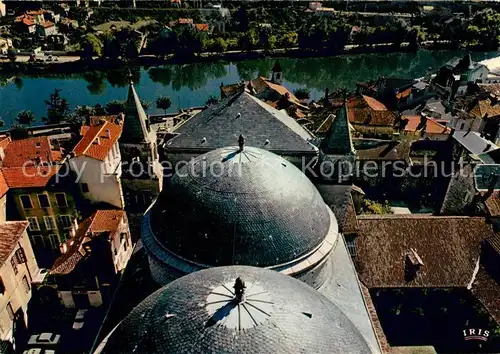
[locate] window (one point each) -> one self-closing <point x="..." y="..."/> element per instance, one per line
<point x="85" y="187"/>
<point x="2" y="287"/>
<point x="50" y="223"/>
<point x="10" y="311"/>
<point x="37" y="241"/>
<point x="43" y="199"/>
<point x="26" y="284"/>
<point x="61" y="200"/>
<point x="65" y="221"/>
<point x="123" y="237"/>
<point x="26" y="202"/>
<point x="13" y="263"/>
<point x="34" y="226"/>
<point x="462" y="126"/>
<point x="20" y="256"/>
<point x="351" y="245"/>
<point x="54" y="241"/>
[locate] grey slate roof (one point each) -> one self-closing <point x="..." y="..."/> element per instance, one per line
<point x="256" y="209"/>
<point x="338" y="141"/>
<point x="486" y="175"/>
<point x="134" y="127"/>
<point x="262" y="125"/>
<point x="473" y="142"/>
<point x="176" y="318"/>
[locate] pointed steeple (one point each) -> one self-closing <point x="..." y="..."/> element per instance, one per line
<point x="338" y="140"/>
<point x="135" y="127"/>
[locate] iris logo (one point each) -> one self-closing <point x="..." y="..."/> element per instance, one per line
<point x="476" y="334"/>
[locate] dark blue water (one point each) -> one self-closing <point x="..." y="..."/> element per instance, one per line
<point x="191" y="84"/>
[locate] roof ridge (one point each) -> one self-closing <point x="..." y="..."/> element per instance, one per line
<point x="96" y="136"/>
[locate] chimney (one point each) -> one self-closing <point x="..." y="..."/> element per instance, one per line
<point x="107" y="133"/>
<point x="413" y="263"/>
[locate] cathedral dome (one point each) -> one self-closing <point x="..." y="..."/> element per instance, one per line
<point x="235" y="309"/>
<point x="240" y="207"/>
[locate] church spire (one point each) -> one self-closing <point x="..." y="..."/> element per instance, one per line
<point x="135" y="127"/>
<point x="338" y="140"/>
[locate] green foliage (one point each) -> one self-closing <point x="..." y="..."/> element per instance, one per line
<point x="57" y="108"/>
<point x="91" y="45"/>
<point x="12" y="55"/>
<point x="216" y="45"/>
<point x="302" y="94"/>
<point x="25" y="118"/>
<point x="163" y="103"/>
<point x="211" y="100"/>
<point x="372" y="207"/>
<point x="115" y="107"/>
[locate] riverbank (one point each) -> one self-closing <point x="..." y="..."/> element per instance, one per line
<point x="80" y="65"/>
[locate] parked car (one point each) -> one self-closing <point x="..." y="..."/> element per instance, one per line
<point x="79" y="319"/>
<point x="39" y="351"/>
<point x="44" y="339"/>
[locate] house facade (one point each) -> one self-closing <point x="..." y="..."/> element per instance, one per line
<point x="93" y="260"/>
<point x="96" y="160"/>
<point x="18" y="270"/>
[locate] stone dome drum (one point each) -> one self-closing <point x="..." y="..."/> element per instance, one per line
<point x="236" y="309"/>
<point x="240" y="206"/>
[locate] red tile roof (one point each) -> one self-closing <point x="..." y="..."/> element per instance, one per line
<point x="431" y="127"/>
<point x="185" y="21"/>
<point x="106" y="220"/>
<point x="96" y="143"/>
<point x="3" y="185"/>
<point x="449" y="248"/>
<point x="201" y="26"/>
<point x="29" y="177"/>
<point x="10" y="233"/>
<point x="4" y="141"/>
<point x="25" y="152"/>
<point x="100" y="221"/>
<point x="368" y="111"/>
<point x="46" y="24"/>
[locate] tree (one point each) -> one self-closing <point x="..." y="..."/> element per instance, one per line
<point x="12" y="55"/>
<point x="163" y="103"/>
<point x="25" y="118"/>
<point x="211" y="100"/>
<point x="115" y="107"/>
<point x="302" y="94"/>
<point x="91" y="45"/>
<point x="57" y="108"/>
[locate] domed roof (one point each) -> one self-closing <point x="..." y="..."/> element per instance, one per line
<point x="236" y="309"/>
<point x="246" y="207"/>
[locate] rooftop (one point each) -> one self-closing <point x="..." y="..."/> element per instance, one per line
<point x="29" y="177"/>
<point x="10" y="233"/>
<point x="367" y="149"/>
<point x="485" y="109"/>
<point x="338" y="139"/>
<point x="430" y="126"/>
<point x="98" y="140"/>
<point x="279" y="315"/>
<point x="100" y="221"/>
<point x="474" y="142"/>
<point x="31" y="151"/>
<point x="263" y="127"/>
<point x="368" y="111"/>
<point x="449" y="248"/>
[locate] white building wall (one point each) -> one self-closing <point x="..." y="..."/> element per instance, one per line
<point x="15" y="292"/>
<point x="2" y="8"/>
<point x="103" y="185"/>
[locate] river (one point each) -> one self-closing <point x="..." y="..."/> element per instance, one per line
<point x="191" y="84"/>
